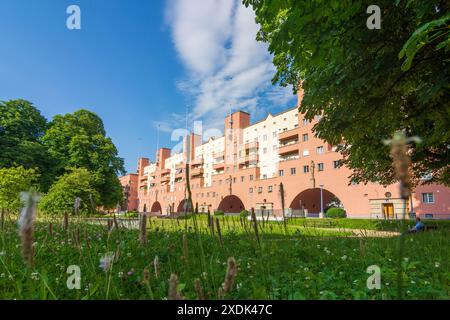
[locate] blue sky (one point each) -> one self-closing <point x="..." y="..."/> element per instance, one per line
<point x="138" y="64"/>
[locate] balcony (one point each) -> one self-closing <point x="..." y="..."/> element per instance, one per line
<point x="219" y="165"/>
<point x="197" y="162"/>
<point x="290" y="134"/>
<point x="165" y="179"/>
<point x="290" y="157"/>
<point x="219" y="155"/>
<point x="180" y="166"/>
<point x="250" y="158"/>
<point x="289" y="148"/>
<point x="251" y="145"/>
<point x="164" y="172"/>
<point x="197" y="172"/>
<point x="179" y="174"/>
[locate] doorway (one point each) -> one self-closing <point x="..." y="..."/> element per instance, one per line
<point x="388" y="210"/>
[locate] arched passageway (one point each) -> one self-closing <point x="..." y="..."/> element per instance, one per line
<point x="183" y="207"/>
<point x="310" y="200"/>
<point x="231" y="204"/>
<point x="156" y="208"/>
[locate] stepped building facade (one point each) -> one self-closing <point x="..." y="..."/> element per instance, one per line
<point x="250" y="165"/>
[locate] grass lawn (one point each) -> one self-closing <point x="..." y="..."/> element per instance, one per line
<point x="299" y="261"/>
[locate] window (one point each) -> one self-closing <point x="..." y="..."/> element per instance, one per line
<point x="264" y="176"/>
<point x="270" y="189"/>
<point x="428" y="197"/>
<point x="265" y="137"/>
<point x="234" y="180"/>
<point x="274" y="147"/>
<point x="251" y="177"/>
<point x="260" y="190"/>
<point x="304" y="122"/>
<point x="274" y="134"/>
<point x="293" y="171"/>
<point x="264" y="150"/>
<point x="305" y="152"/>
<point x="305" y="169"/>
<point x="281" y="173"/>
<point x="305" y="137"/>
<point x="336" y="164"/>
<point x="250" y="190"/>
<point x="242" y="179"/>
<point x="320" y="167"/>
<point x="319" y="150"/>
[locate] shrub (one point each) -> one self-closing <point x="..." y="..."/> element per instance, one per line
<point x="218" y="213"/>
<point x="13" y="181"/>
<point x="244" y="214"/>
<point x="61" y="196"/>
<point x="336" y="213"/>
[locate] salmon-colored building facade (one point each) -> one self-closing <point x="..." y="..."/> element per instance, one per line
<point x="130" y="192"/>
<point x="245" y="168"/>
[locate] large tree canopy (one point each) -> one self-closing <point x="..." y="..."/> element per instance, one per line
<point x="79" y="140"/>
<point x="21" y="129"/>
<point x="367" y="84"/>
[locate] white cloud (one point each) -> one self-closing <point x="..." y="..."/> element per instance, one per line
<point x="227" y="67"/>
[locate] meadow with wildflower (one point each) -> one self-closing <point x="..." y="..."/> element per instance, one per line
<point x="192" y="258"/>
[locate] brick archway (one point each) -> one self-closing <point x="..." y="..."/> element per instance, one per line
<point x="231" y="204"/>
<point x="181" y="209"/>
<point x="309" y="199"/>
<point x="156" y="208"/>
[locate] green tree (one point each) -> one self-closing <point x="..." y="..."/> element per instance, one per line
<point x="21" y="129"/>
<point x="367" y="84"/>
<point x="13" y="181"/>
<point x="61" y="196"/>
<point x="79" y="140"/>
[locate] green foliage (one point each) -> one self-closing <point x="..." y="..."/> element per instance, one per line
<point x="219" y="213"/>
<point x="354" y="78"/>
<point x="13" y="181"/>
<point x="79" y="140"/>
<point x="21" y="130"/>
<point x="335" y="213"/>
<point x="61" y="196"/>
<point x="244" y="214"/>
<point x="313" y="265"/>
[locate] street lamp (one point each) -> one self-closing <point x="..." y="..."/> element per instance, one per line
<point x="321" y="200"/>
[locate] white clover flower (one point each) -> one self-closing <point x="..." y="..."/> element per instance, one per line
<point x="106" y="261"/>
<point x="437" y="264"/>
<point x="344" y="257"/>
<point x="2" y="253"/>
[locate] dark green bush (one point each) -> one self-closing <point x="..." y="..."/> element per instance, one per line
<point x="244" y="214"/>
<point x="336" y="213"/>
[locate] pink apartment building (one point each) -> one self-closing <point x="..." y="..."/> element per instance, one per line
<point x="130" y="191"/>
<point x="244" y="168"/>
